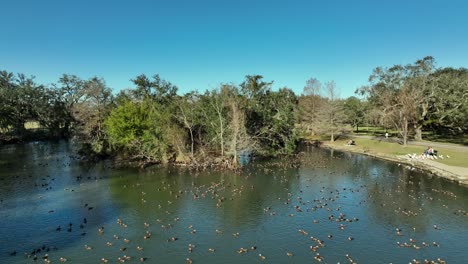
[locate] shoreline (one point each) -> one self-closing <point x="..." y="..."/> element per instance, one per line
<point x="452" y="173"/>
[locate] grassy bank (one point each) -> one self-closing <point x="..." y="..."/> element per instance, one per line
<point x="458" y="157"/>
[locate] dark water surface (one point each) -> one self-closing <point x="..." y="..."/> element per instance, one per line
<point x="288" y="210"/>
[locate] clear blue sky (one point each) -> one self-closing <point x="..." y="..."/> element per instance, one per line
<point x="200" y="44"/>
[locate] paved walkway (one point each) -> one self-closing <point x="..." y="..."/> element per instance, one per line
<point x="459" y="174"/>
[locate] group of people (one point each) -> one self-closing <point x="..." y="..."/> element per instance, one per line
<point x="430" y="151"/>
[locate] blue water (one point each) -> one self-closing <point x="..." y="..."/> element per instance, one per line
<point x="337" y="203"/>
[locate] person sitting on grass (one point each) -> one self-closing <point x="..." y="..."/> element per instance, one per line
<point x="430" y="152"/>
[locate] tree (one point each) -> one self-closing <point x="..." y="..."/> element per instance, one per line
<point x="213" y="107"/>
<point x="309" y="104"/>
<point x="449" y="108"/>
<point x="423" y="90"/>
<point x="404" y="112"/>
<point x="188" y="115"/>
<point x="331" y="112"/>
<point x="239" y="140"/>
<point x="158" y="90"/>
<point x="140" y="131"/>
<point x="354" y="110"/>
<point x="21" y="99"/>
<point x="51" y="112"/>
<point x="270" y="116"/>
<point x="146" y="124"/>
<point x="253" y="86"/>
<point x="90" y="112"/>
<point x="280" y="108"/>
<point x="72" y="91"/>
<point x="403" y="94"/>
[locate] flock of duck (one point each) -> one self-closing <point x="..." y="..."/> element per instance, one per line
<point x="133" y="249"/>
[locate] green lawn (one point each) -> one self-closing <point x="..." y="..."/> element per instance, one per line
<point x="32" y="125"/>
<point x="370" y="130"/>
<point x="436" y="136"/>
<point x="28" y="125"/>
<point x="457" y="157"/>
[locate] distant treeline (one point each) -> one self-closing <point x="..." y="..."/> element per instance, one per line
<point x="407" y="98"/>
<point x="151" y="123"/>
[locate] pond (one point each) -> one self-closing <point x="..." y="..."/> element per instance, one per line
<point x="322" y="205"/>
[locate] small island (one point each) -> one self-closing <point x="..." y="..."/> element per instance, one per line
<point x="152" y="123"/>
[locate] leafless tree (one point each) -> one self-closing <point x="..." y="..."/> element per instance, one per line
<point x="331" y="113"/>
<point x="309" y="103"/>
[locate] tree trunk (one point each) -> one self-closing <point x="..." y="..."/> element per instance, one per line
<point x="191" y="139"/>
<point x="222" y="145"/>
<point x="235" y="132"/>
<point x="234" y="159"/>
<point x="55" y="131"/>
<point x="19" y="128"/>
<point x="221" y="130"/>
<point x="418" y="131"/>
<point x="405" y="131"/>
<point x="418" y="126"/>
<point x="312" y="132"/>
<point x="332" y="138"/>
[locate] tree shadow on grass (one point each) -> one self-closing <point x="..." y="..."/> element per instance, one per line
<point x="447" y="137"/>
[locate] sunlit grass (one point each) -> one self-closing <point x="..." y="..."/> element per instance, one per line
<point x="32" y="125"/>
<point x="440" y="136"/>
<point x="375" y="131"/>
<point x="28" y="125"/>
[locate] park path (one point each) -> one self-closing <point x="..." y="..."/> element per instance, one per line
<point x="459" y="174"/>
